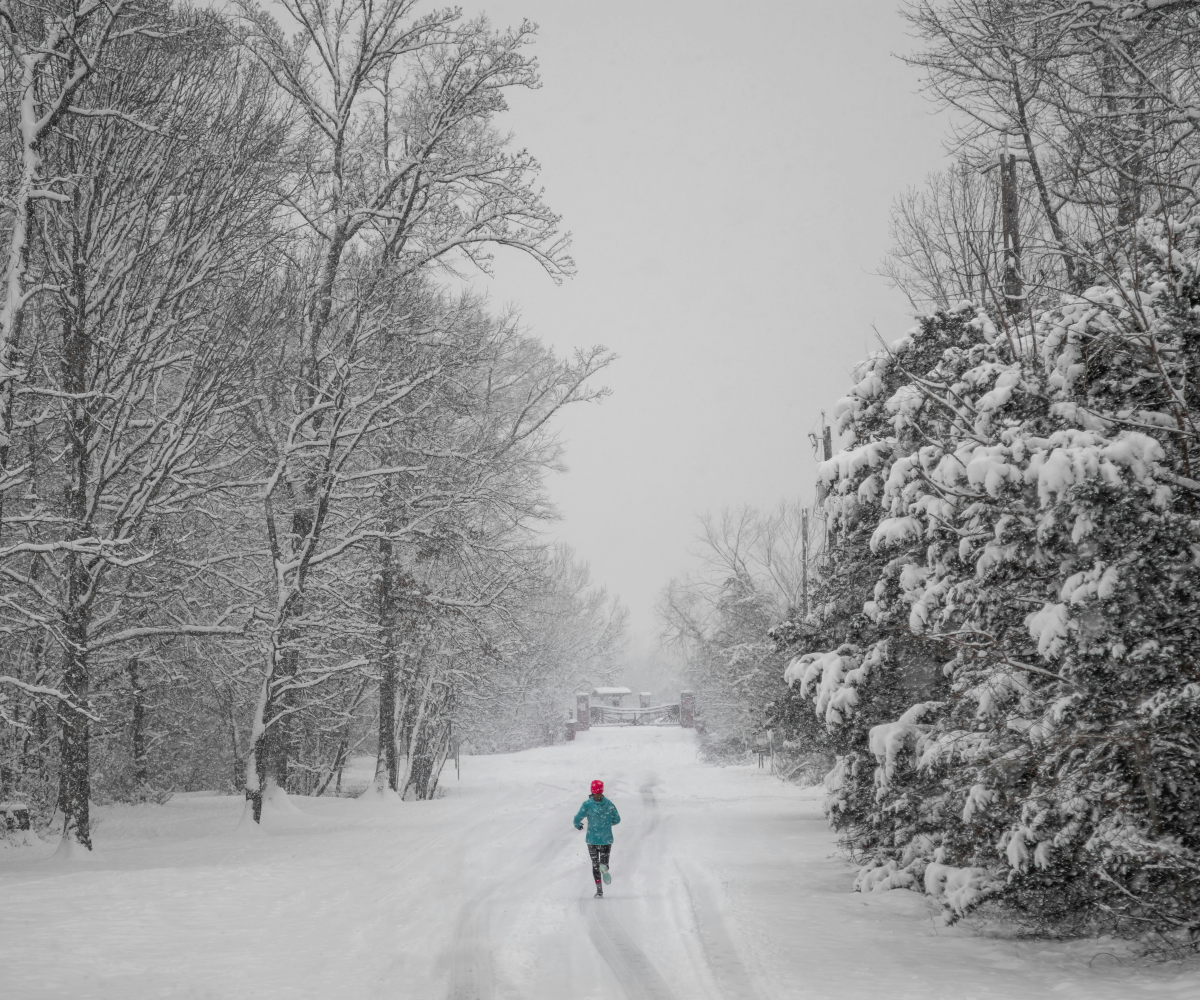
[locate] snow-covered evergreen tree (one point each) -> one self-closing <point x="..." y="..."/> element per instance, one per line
<point x="1016" y="704"/>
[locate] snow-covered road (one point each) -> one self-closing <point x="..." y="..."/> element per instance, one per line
<point x="726" y="884"/>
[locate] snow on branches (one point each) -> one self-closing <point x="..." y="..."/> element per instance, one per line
<point x="270" y="492"/>
<point x="1015" y="564"/>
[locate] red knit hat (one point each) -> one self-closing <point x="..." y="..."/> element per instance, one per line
<point x="597" y="787"/>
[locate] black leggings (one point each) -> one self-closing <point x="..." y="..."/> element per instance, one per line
<point x="599" y="853"/>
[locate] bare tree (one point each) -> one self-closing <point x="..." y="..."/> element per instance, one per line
<point x="134" y="350"/>
<point x="1099" y="99"/>
<point x="477" y="468"/>
<point x="753" y="566"/>
<point x="403" y="170"/>
<point x="53" y="53"/>
<point x="260" y="449"/>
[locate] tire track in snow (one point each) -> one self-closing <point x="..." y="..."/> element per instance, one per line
<point x="721" y="954"/>
<point x="634" y="971"/>
<point x="637" y="975"/>
<point x="472" y="975"/>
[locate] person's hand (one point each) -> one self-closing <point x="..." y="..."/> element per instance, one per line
<point x="579" y="828"/>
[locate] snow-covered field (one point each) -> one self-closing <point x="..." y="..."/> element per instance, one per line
<point x="726" y="884"/>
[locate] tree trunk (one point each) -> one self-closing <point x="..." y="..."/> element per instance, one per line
<point x="387" y="760"/>
<point x="413" y="695"/>
<point x="279" y="734"/>
<point x="139" y="721"/>
<point x="1035" y="168"/>
<point x="428" y="740"/>
<point x="1125" y="155"/>
<point x="35" y="746"/>
<point x="420" y="762"/>
<point x="440" y="753"/>
<point x="14" y="295"/>
<point x="275" y="743"/>
<point x="270" y="742"/>
<point x="1014" y="284"/>
<point x="256" y="770"/>
<point x="239" y="767"/>
<point x="74" y="776"/>
<point x="268" y="746"/>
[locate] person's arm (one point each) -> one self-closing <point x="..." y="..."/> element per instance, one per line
<point x="616" y="816"/>
<point x="579" y="816"/>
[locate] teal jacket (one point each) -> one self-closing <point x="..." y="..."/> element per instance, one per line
<point x="601" y="817"/>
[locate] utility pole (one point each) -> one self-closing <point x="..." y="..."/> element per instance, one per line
<point x="1014" y="286"/>
<point x="804" y="559"/>
<point x="822" y="493"/>
<point x="826" y="445"/>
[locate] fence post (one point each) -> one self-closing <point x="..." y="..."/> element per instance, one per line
<point x="687" y="710"/>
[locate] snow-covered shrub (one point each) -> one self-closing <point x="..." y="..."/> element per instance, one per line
<point x="1017" y="696"/>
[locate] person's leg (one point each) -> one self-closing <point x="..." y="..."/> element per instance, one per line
<point x="602" y="858"/>
<point x="594" y="850"/>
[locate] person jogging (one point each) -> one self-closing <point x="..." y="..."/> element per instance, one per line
<point x="601" y="816"/>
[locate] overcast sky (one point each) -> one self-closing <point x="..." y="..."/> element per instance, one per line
<point x="726" y="169"/>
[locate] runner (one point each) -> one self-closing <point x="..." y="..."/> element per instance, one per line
<point x="601" y="815"/>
